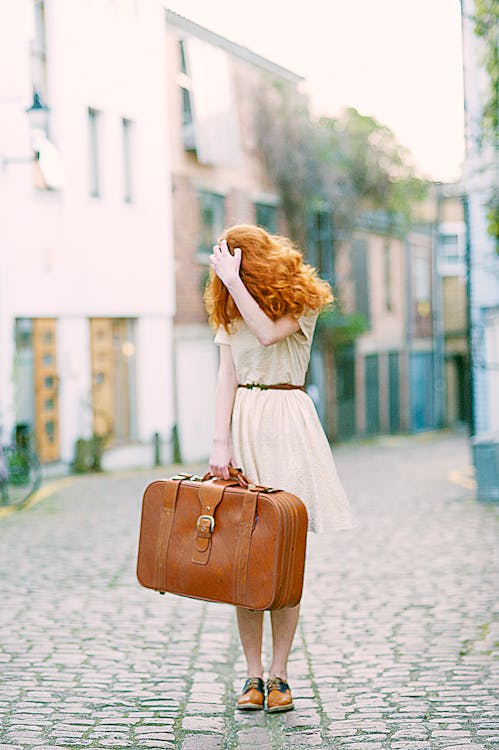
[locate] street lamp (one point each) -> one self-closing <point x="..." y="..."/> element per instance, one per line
<point x="38" y="114"/>
<point x="38" y="121"/>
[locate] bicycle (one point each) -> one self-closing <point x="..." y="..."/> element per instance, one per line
<point x="20" y="474"/>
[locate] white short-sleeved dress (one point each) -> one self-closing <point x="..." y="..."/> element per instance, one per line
<point x="277" y="438"/>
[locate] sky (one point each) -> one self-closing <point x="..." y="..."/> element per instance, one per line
<point x="399" y="61"/>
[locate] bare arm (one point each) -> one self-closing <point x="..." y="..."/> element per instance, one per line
<point x="221" y="453"/>
<point x="266" y="330"/>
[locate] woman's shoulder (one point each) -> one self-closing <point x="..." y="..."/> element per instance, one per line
<point x="223" y="336"/>
<point x="306" y="322"/>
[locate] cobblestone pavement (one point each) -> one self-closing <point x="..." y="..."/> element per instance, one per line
<point x="395" y="647"/>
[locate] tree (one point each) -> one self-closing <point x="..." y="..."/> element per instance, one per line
<point x="286" y="141"/>
<point x="486" y="25"/>
<point x="351" y="163"/>
<point x="486" y="20"/>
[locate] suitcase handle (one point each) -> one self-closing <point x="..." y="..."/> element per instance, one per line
<point x="235" y="473"/>
<point x="242" y="480"/>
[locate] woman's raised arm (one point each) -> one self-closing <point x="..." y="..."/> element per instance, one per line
<point x="266" y="330"/>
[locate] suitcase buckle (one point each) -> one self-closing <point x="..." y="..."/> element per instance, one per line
<point x="205" y="518"/>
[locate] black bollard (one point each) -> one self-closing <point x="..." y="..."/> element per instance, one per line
<point x="156" y="441"/>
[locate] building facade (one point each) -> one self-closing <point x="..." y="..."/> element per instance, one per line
<point x="480" y="180"/>
<point x="218" y="180"/>
<point x="452" y="302"/>
<point x="86" y="265"/>
<point x="381" y="379"/>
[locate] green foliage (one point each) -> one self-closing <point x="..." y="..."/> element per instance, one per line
<point x="285" y="139"/>
<point x="335" y="329"/>
<point x="350" y="164"/>
<point x="88" y="454"/>
<point x="371" y="169"/>
<point x="486" y="20"/>
<point x="18" y="468"/>
<point x="493" y="217"/>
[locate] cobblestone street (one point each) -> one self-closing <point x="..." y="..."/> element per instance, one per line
<point x="395" y="647"/>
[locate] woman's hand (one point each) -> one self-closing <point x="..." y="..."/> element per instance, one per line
<point x="226" y="265"/>
<point x="220" y="460"/>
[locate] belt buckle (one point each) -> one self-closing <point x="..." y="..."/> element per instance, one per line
<point x="204" y="517"/>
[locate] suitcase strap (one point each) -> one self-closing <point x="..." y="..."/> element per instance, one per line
<point x="209" y="496"/>
<point x="241" y="558"/>
<point x="164" y="532"/>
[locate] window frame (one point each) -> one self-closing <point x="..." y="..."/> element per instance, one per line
<point x="38" y="51"/>
<point x="320" y="242"/>
<point x="387" y="276"/>
<point x="186" y="106"/>
<point x="127" y="131"/>
<point x="272" y="226"/>
<point x="215" y="201"/>
<point x="94" y="117"/>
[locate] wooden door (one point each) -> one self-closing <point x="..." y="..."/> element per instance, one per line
<point x="46" y="389"/>
<point x="422" y="391"/>
<point x="394" y="391"/>
<point x="121" y="343"/>
<point x="345" y="392"/>
<point x="103" y="375"/>
<point x="371" y="369"/>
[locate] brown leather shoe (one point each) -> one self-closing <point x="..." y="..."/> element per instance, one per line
<point x="279" y="696"/>
<point x="252" y="695"/>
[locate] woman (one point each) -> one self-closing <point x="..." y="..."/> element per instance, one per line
<point x="265" y="300"/>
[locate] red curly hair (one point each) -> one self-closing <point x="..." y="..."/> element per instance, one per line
<point x="275" y="274"/>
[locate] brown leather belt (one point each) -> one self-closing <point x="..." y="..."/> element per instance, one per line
<point x="276" y="386"/>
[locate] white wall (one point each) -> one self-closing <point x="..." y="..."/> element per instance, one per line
<point x="155" y="402"/>
<point x="64" y="253"/>
<point x="479" y="180"/>
<point x="492" y="352"/>
<point x="196" y="369"/>
<point x="75" y="395"/>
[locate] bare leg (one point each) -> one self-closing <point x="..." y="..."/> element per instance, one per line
<point x="284" y="622"/>
<point x="250" y="632"/>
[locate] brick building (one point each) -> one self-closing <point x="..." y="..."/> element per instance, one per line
<point x="451" y="272"/>
<point x="218" y="180"/>
<point x="406" y="371"/>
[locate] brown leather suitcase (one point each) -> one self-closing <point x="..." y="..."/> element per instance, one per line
<point x="223" y="541"/>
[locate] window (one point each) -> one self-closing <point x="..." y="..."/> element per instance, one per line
<point x="113" y="355"/>
<point x="388" y="276"/>
<point x="421" y="290"/>
<point x="320" y="243"/>
<point x="421" y="275"/>
<point x="38" y="52"/>
<point x="266" y="216"/>
<point x="127" y="126"/>
<point x="212" y="220"/>
<point x="93" y="134"/>
<point x="188" y="136"/>
<point x="186" y="97"/>
<point x="183" y="58"/>
<point x="360" y="273"/>
<point x="450" y="249"/>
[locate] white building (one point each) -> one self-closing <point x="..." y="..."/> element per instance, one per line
<point x="480" y="179"/>
<point x="86" y="257"/>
